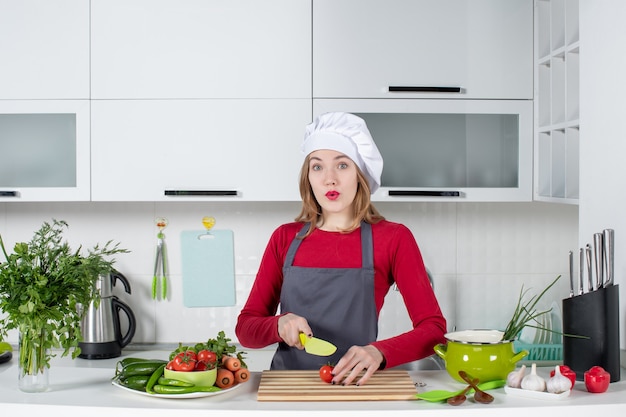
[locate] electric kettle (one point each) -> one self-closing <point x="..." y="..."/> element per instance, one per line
<point x="101" y="329"/>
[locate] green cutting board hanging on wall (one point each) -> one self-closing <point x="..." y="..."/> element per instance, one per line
<point x="208" y="264"/>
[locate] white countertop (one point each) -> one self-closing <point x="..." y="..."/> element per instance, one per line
<point x="84" y="386"/>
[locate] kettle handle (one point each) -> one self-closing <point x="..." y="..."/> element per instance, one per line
<point x="116" y="275"/>
<point x="118" y="305"/>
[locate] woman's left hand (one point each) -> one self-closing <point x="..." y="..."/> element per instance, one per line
<point x="357" y="359"/>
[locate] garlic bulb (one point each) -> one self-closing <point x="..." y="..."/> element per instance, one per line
<point x="558" y="383"/>
<point x="514" y="378"/>
<point x="534" y="382"/>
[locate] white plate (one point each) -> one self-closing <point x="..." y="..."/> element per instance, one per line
<point x="526" y="393"/>
<point x="177" y="396"/>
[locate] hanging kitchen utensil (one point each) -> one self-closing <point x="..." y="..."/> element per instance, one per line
<point x="160" y="263"/>
<point x="208" y="266"/>
<point x="316" y="346"/>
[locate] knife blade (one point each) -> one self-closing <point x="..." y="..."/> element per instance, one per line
<point x="581" y="272"/>
<point x="598" y="246"/>
<point x="315" y="346"/>
<point x="609" y="255"/>
<point x="589" y="268"/>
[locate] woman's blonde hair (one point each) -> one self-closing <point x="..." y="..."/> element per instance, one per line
<point x="362" y="207"/>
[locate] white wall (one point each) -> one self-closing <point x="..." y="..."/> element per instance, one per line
<point x="602" y="135"/>
<point x="479" y="253"/>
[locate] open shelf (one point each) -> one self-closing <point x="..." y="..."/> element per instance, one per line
<point x="557" y="95"/>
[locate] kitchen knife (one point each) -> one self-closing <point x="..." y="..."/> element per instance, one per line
<point x="571" y="274"/>
<point x="589" y="268"/>
<point x="316" y="346"/>
<point x="598" y="247"/>
<point x="609" y="255"/>
<point x="581" y="272"/>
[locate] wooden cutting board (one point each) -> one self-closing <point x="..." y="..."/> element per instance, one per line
<point x="389" y="385"/>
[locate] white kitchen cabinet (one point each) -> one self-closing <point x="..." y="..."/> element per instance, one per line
<point x="187" y="49"/>
<point x="448" y="150"/>
<point x="423" y="48"/>
<point x="557" y="127"/>
<point x="44" y="48"/>
<point x="197" y="150"/>
<point x="44" y="146"/>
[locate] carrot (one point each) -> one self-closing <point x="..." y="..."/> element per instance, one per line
<point x="225" y="378"/>
<point x="231" y="363"/>
<point x="241" y="375"/>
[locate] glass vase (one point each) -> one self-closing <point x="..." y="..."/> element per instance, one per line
<point x="32" y="361"/>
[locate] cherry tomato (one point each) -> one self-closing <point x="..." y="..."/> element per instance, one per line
<point x="201" y="366"/>
<point x="326" y="373"/>
<point x="185" y="361"/>
<point x="597" y="379"/>
<point x="566" y="372"/>
<point x="207" y="356"/>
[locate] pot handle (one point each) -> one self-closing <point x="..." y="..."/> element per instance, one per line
<point x="441" y="349"/>
<point x="518" y="356"/>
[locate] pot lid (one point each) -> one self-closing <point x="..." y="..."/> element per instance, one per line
<point x="476" y="336"/>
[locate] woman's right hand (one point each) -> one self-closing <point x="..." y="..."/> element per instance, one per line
<point x="289" y="328"/>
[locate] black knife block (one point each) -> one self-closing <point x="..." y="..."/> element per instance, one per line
<point x="595" y="315"/>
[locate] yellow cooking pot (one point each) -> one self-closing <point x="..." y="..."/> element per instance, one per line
<point x="481" y="353"/>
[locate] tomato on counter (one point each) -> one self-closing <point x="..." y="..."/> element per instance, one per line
<point x="597" y="380"/>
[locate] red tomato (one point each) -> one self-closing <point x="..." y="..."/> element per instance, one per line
<point x="326" y="373"/>
<point x="207" y="356"/>
<point x="185" y="361"/>
<point x="201" y="366"/>
<point x="597" y="379"/>
<point x="170" y="365"/>
<point x="567" y="372"/>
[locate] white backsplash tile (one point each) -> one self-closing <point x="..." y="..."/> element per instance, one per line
<point x="478" y="253"/>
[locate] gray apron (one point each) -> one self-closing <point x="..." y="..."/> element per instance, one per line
<point x="338" y="304"/>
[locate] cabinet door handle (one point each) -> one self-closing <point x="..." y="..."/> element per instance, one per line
<point x="423" y="89"/>
<point x="419" y="193"/>
<point x="4" y="193"/>
<point x="205" y="193"/>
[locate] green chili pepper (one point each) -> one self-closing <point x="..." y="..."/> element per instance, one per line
<point x="154" y="378"/>
<point x="173" y="382"/>
<point x="170" y="389"/>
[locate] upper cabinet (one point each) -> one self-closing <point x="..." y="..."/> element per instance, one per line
<point x="44" y="47"/>
<point x="557" y="127"/>
<point x="45" y="150"/>
<point x="197" y="150"/>
<point x="189" y="49"/>
<point x="462" y="49"/>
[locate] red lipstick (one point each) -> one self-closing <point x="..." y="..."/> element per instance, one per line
<point x="332" y="195"/>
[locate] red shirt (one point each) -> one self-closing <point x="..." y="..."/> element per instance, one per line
<point x="397" y="258"/>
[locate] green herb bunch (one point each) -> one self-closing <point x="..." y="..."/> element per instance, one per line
<point x="42" y="286"/>
<point x="526" y="313"/>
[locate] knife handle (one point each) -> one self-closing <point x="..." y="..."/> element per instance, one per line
<point x="598" y="246"/>
<point x="581" y="272"/>
<point x="609" y="255"/>
<point x="589" y="268"/>
<point x="571" y="273"/>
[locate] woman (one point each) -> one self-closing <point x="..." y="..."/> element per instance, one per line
<point x="331" y="279"/>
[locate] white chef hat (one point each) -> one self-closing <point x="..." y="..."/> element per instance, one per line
<point x="348" y="134"/>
